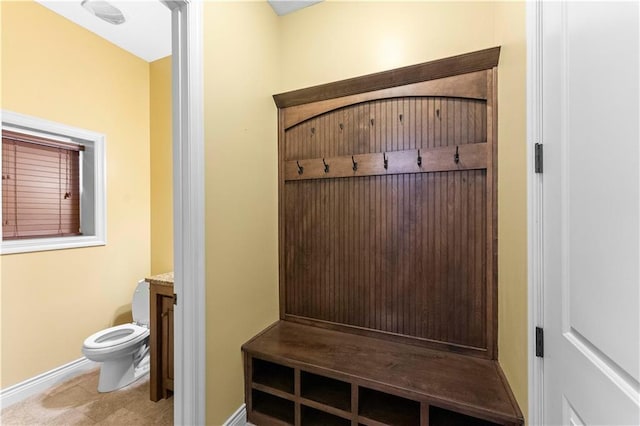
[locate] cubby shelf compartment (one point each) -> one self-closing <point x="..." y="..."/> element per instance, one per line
<point x="388" y="409"/>
<point x="273" y="375"/>
<point x="272" y="406"/>
<point x="313" y="417"/>
<point x="441" y="417"/>
<point x="325" y="390"/>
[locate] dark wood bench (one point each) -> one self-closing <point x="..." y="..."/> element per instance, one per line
<point x="304" y="375"/>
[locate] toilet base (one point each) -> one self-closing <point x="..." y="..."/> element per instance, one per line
<point x="118" y="373"/>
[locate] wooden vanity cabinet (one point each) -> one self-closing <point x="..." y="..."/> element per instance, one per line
<point x="166" y="338"/>
<point x="161" y="299"/>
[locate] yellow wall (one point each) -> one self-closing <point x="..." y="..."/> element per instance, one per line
<point x="510" y="32"/>
<point x="52" y="301"/>
<point x="240" y="68"/>
<point x="335" y="40"/>
<point x="161" y="166"/>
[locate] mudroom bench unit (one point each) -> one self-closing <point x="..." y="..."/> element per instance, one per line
<point x="387" y="191"/>
<point x="304" y="375"/>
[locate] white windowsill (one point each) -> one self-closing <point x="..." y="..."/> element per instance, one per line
<point x="45" y="244"/>
<point x="93" y="209"/>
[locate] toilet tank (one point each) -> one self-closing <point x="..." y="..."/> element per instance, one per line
<point x="140" y="304"/>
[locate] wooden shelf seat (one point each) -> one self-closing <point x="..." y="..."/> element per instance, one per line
<point x="383" y="374"/>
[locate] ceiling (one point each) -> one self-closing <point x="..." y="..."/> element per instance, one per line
<point x="283" y="7"/>
<point x="146" y="32"/>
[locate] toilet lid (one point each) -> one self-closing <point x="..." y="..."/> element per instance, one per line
<point x="140" y="304"/>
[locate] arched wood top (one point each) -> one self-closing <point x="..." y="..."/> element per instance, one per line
<point x="447" y="67"/>
<point x="470" y="86"/>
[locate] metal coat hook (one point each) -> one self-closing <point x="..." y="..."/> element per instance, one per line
<point x="386" y="160"/>
<point x="456" y="157"/>
<point x="355" y="164"/>
<point x="341" y="126"/>
<point x="300" y="168"/>
<point x="419" y="159"/>
<point x="400" y="117"/>
<point x="438" y="113"/>
<point x="372" y="121"/>
<point x="326" y="166"/>
<point x="313" y="130"/>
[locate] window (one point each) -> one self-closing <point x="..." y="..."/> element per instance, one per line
<point x="40" y="187"/>
<point x="53" y="194"/>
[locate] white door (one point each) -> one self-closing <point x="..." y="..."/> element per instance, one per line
<point x="591" y="206"/>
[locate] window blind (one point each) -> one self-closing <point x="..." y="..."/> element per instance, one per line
<point x="40" y="187"/>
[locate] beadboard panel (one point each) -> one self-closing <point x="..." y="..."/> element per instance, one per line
<point x="389" y="125"/>
<point x="402" y="254"/>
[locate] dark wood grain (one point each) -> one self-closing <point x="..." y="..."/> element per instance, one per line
<point x="390" y="277"/>
<point x="467" y="385"/>
<point x="468" y="86"/>
<point x="455" y="65"/>
<point x="167" y="346"/>
<point x="388" y="251"/>
<point x="273" y="375"/>
<point x="427" y="122"/>
<point x="473" y="156"/>
<point x="314" y="417"/>
<point x="280" y="410"/>
<point x="442" y="417"/>
<point x="388" y="409"/>
<point x="160" y="339"/>
<point x="334" y="393"/>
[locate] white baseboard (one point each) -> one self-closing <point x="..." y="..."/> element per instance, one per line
<point x="239" y="418"/>
<point x="44" y="381"/>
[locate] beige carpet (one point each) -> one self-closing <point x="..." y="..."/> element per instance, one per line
<point x="77" y="402"/>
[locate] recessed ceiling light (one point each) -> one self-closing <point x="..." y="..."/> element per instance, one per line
<point x="105" y="11"/>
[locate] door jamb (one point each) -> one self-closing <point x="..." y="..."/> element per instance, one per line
<point x="535" y="228"/>
<point x="188" y="211"/>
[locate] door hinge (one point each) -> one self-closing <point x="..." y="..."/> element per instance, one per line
<point x="175" y="299"/>
<point x="539" y="342"/>
<point x="538" y="157"/>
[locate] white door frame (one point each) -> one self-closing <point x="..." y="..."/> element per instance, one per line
<point x="534" y="209"/>
<point x="188" y="212"/>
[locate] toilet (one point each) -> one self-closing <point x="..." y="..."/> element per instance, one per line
<point x="123" y="350"/>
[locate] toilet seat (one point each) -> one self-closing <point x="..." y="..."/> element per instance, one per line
<point x="123" y="350"/>
<point x="111" y="338"/>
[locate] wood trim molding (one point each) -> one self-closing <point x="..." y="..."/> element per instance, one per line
<point x="471" y="86"/>
<point x="188" y="212"/>
<point x="534" y="211"/>
<point x="238" y="418"/>
<point x="94" y="211"/>
<point x="45" y="381"/>
<point x="472" y="156"/>
<point x="391" y="337"/>
<point x="454" y="65"/>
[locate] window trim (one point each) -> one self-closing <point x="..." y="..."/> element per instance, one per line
<point x="93" y="141"/>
